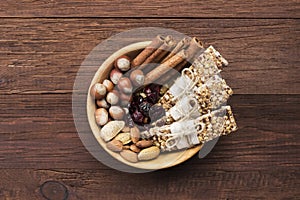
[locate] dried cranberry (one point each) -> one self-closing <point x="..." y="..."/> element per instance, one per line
<point x="155" y="88"/>
<point x="152" y="97"/>
<point x="138" y="117"/>
<point x="144" y="108"/>
<point x="140" y="99"/>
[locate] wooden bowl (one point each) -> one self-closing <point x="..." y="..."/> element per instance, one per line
<point x="164" y="160"/>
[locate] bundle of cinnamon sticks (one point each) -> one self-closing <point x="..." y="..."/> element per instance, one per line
<point x="167" y="54"/>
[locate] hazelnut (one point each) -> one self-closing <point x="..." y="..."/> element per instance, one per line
<point x="137" y="77"/>
<point x="124" y="103"/>
<point x="116" y="112"/>
<point x="123" y="63"/>
<point x="115" y="75"/>
<point x="113" y="97"/>
<point x="98" y="91"/>
<point x="125" y="85"/>
<point x="108" y="84"/>
<point x="101" y="116"/>
<point x="125" y="97"/>
<point x="102" y="103"/>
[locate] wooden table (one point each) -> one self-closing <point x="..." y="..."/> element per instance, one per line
<point x="44" y="42"/>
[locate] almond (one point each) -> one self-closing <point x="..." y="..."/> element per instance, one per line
<point x="111" y="129"/>
<point x="123" y="137"/>
<point x="134" y="148"/>
<point x="129" y="156"/>
<point x="135" y="134"/>
<point x="115" y="145"/>
<point x="144" y="143"/>
<point x="149" y="153"/>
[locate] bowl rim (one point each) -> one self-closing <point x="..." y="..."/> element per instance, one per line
<point x="178" y="156"/>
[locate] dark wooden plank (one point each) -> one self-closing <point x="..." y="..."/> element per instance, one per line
<point x="43" y="55"/>
<point x="173" y="183"/>
<point x="151" y="8"/>
<point x="37" y="131"/>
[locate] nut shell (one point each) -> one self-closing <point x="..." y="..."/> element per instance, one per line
<point x="149" y="153"/>
<point x="116" y="112"/>
<point x="115" y="76"/>
<point x="115" y="145"/>
<point x="124" y="138"/>
<point x="135" y="134"/>
<point x="129" y="156"/>
<point x="122" y="63"/>
<point x="144" y="143"/>
<point x="98" y="91"/>
<point x="108" y="84"/>
<point x="134" y="148"/>
<point x="125" y="85"/>
<point x="111" y="129"/>
<point x="112" y="97"/>
<point x="101" y="116"/>
<point x="102" y="103"/>
<point x="137" y="77"/>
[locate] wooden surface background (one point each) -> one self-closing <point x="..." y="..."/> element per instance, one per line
<point x="44" y="42"/>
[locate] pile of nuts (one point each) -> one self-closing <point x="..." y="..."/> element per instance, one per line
<point x="114" y="99"/>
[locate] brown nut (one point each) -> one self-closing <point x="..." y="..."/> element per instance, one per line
<point x="116" y="112"/>
<point x="135" y="134"/>
<point x="129" y="156"/>
<point x="98" y="91"/>
<point x="137" y="77"/>
<point x="144" y="143"/>
<point x="125" y="97"/>
<point x="101" y="116"/>
<point x="122" y="63"/>
<point x="124" y="103"/>
<point x="134" y="148"/>
<point x="108" y="84"/>
<point x="126" y="129"/>
<point x="115" y="145"/>
<point x="149" y="153"/>
<point x="115" y="75"/>
<point x="125" y="85"/>
<point x="112" y="97"/>
<point x="102" y="103"/>
<point x="126" y="147"/>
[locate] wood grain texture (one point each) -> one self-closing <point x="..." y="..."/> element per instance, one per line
<point x="37" y="131"/>
<point x="44" y="55"/>
<point x="42" y="46"/>
<point x="110" y="184"/>
<point x="151" y="8"/>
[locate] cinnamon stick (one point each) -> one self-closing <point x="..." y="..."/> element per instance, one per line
<point x="159" y="53"/>
<point x="155" y="44"/>
<point x="182" y="44"/>
<point x="172" y="75"/>
<point x="165" y="67"/>
<point x="195" y="48"/>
